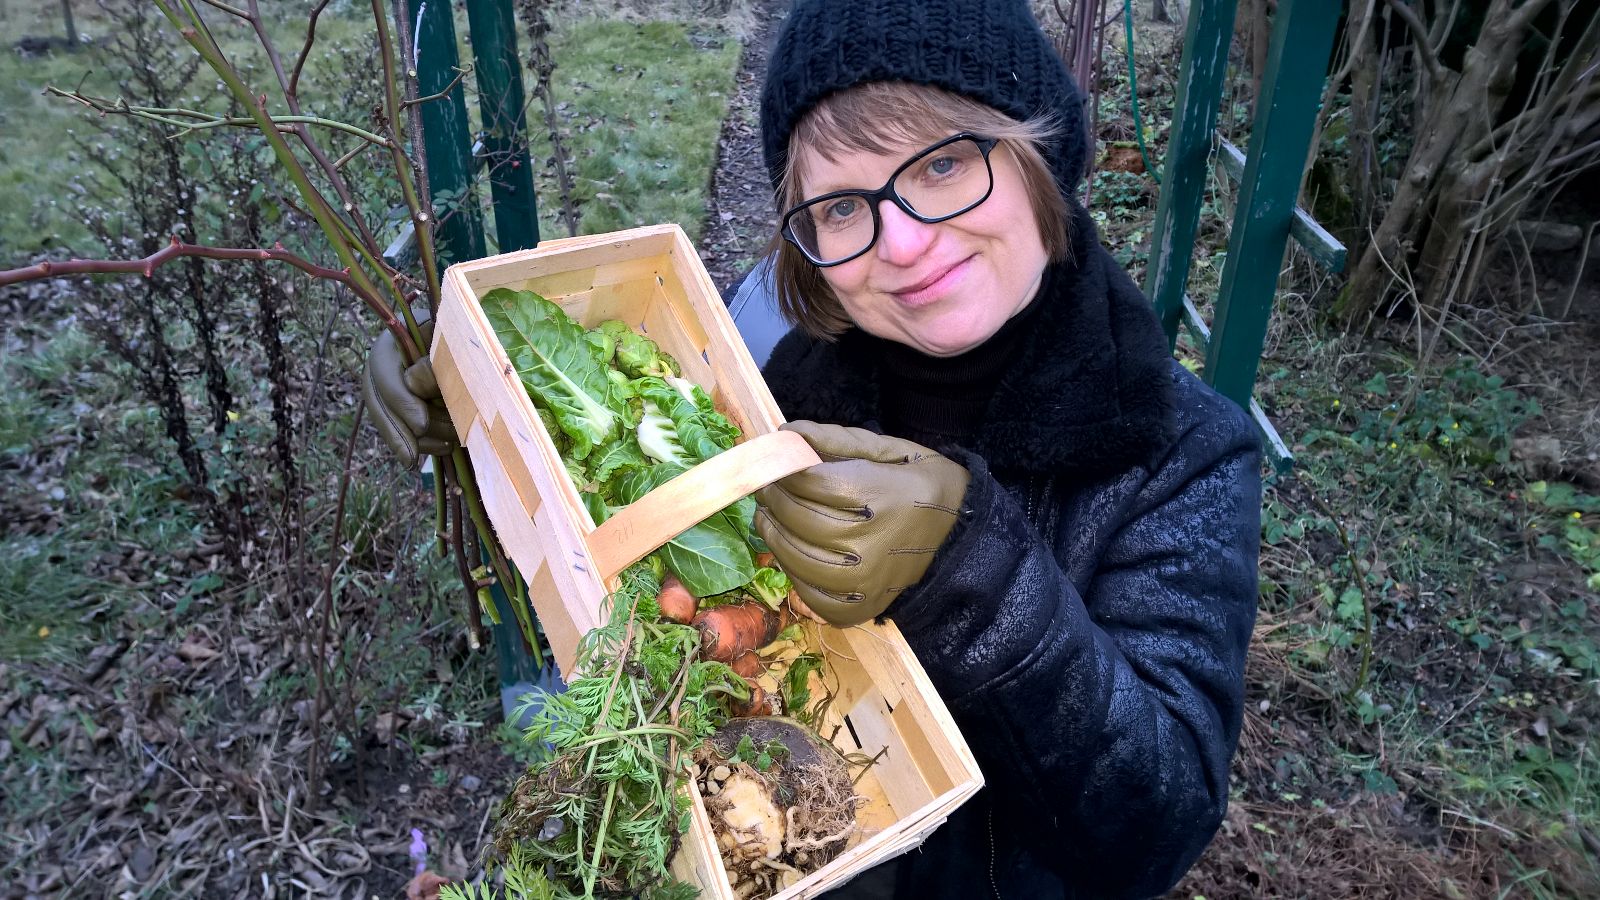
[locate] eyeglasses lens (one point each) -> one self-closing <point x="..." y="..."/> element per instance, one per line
<point x="945" y="183"/>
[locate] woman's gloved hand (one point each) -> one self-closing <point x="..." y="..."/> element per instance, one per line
<point x="856" y="530"/>
<point x="407" y="408"/>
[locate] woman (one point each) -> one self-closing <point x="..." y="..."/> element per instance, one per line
<point x="1061" y="520"/>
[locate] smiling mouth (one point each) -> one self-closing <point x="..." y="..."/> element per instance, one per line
<point x="913" y="291"/>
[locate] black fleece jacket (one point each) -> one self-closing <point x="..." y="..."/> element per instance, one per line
<point x="1087" y="620"/>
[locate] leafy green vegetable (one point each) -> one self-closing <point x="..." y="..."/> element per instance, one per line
<point x="709" y="558"/>
<point x="563" y="371"/>
<point x="680" y="430"/>
<point x="637" y="355"/>
<point x="601" y="816"/>
<point x="797" y="685"/>
<point x="770" y="586"/>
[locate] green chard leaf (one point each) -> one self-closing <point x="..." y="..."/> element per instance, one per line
<point x="563" y="371"/>
<point x="615" y="459"/>
<point x="709" y="558"/>
<point x="770" y="586"/>
<point x="635" y="354"/>
<point x="699" y="435"/>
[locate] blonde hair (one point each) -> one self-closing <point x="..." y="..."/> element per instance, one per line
<point x="883" y="117"/>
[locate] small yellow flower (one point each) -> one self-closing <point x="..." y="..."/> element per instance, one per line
<point x="1489" y="482"/>
<point x="1576" y="514"/>
<point x="1393" y="445"/>
<point x="1335" y="404"/>
<point x="233" y="416"/>
<point x="1455" y="426"/>
<point x="44" y="632"/>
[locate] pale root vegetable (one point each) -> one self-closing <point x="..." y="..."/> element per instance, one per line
<point x="751" y="817"/>
<point x="727" y="631"/>
<point x="677" y="604"/>
<point x="780" y="816"/>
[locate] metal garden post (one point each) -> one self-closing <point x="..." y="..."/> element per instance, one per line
<point x="451" y="165"/>
<point x="446" y="136"/>
<point x="493" y="30"/>
<point x="1183" y="185"/>
<point x="1297" y="64"/>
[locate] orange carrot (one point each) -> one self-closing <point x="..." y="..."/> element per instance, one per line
<point x="727" y="631"/>
<point x="748" y="664"/>
<point x="677" y="604"/>
<point x="756" y="706"/>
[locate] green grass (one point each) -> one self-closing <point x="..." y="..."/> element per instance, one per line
<point x="39" y="165"/>
<point x="35" y="175"/>
<point x="646" y="108"/>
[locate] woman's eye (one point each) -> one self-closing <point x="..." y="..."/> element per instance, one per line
<point x="942" y="165"/>
<point x="842" y="209"/>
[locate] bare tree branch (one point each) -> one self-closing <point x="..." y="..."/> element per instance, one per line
<point x="1420" y="37"/>
<point x="175" y="250"/>
<point x="418" y="101"/>
<point x="365" y="242"/>
<point x="230" y="10"/>
<point x="305" y="50"/>
<point x="194" y="120"/>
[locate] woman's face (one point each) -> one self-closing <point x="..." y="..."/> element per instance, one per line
<point x="944" y="288"/>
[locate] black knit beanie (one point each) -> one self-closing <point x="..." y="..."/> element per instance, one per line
<point x="991" y="51"/>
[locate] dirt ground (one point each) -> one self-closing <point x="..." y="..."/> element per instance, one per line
<point x="741" y="219"/>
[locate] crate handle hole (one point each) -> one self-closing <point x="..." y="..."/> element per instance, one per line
<point x="856" y="739"/>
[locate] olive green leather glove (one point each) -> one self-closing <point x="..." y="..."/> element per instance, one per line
<point x="405" y="403"/>
<point x="856" y="530"/>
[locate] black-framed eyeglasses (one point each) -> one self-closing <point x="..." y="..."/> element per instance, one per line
<point x="937" y="184"/>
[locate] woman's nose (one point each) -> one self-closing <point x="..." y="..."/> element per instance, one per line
<point x="901" y="239"/>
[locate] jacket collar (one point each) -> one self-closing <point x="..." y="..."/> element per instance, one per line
<point x="1090" y="392"/>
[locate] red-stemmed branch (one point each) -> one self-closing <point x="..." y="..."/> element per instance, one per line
<point x="178" y="249"/>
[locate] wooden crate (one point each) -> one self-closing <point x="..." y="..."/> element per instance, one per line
<point x="652" y="279"/>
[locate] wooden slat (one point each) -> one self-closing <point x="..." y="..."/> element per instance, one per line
<point x="884" y="655"/>
<point x="698" y="860"/>
<point x="737" y="375"/>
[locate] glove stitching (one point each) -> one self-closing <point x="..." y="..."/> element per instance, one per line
<point x="913" y="551"/>
<point x="862" y="513"/>
<point x="790" y="541"/>
<point x="395" y="424"/>
<point x="919" y="504"/>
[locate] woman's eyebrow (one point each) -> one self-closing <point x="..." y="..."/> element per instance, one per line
<point x="828" y="187"/>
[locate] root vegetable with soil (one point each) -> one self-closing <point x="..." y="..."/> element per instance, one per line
<point x="780" y="802"/>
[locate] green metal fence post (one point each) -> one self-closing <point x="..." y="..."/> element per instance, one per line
<point x="493" y="32"/>
<point x="446" y="137"/>
<point x="1286" y="115"/>
<point x="1183" y="183"/>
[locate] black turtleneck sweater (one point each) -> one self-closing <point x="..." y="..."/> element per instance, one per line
<point x="940" y="401"/>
